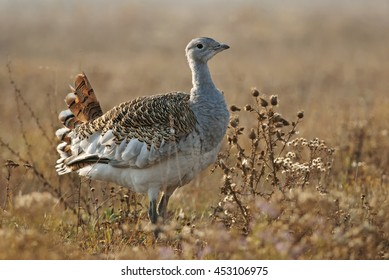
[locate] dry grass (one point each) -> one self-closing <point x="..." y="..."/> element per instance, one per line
<point x="287" y="185"/>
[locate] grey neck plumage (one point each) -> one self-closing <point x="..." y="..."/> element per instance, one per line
<point x="201" y="77"/>
<point x="209" y="106"/>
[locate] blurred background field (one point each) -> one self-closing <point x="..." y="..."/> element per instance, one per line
<point x="328" y="58"/>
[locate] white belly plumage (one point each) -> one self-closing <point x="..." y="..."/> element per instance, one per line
<point x="171" y="173"/>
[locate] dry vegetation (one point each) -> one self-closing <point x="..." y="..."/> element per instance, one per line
<point x="303" y="173"/>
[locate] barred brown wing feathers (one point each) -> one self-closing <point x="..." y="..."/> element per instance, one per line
<point x="150" y="119"/>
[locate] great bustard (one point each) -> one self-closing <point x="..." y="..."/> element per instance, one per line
<point x="150" y="144"/>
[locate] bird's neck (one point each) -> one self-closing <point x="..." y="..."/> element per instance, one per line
<point x="201" y="77"/>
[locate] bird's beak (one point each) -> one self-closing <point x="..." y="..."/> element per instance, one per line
<point x="221" y="47"/>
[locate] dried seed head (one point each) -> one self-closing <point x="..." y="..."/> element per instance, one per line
<point x="300" y="114"/>
<point x="234" y="108"/>
<point x="274" y="100"/>
<point x="279" y="124"/>
<point x="10" y="163"/>
<point x="284" y="122"/>
<point x="223" y="165"/>
<point x="264" y="103"/>
<point x="277" y="117"/>
<point x="254" y="92"/>
<point x="248" y="107"/>
<point x="234" y="122"/>
<point x="252" y="134"/>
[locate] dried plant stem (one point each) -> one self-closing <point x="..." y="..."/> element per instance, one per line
<point x="271" y="156"/>
<point x="78" y="206"/>
<point x="253" y="157"/>
<point x="19" y="98"/>
<point x="238" y="202"/>
<point x="38" y="174"/>
<point x="290" y="134"/>
<point x="8" y="201"/>
<point x="9" y="164"/>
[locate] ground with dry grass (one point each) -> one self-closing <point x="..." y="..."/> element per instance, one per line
<point x="303" y="172"/>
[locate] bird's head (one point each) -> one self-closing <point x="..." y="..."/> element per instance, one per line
<point x="203" y="49"/>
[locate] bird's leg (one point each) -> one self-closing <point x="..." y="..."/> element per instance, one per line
<point x="153" y="196"/>
<point x="153" y="215"/>
<point x="163" y="205"/>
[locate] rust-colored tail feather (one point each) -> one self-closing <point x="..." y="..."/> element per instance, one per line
<point x="83" y="107"/>
<point x="83" y="103"/>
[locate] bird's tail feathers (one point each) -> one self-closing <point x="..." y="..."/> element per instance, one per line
<point x="83" y="106"/>
<point x="82" y="103"/>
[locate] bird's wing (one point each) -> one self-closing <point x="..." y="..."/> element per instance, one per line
<point x="136" y="134"/>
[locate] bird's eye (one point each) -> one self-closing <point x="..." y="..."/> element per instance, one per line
<point x="199" y="46"/>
